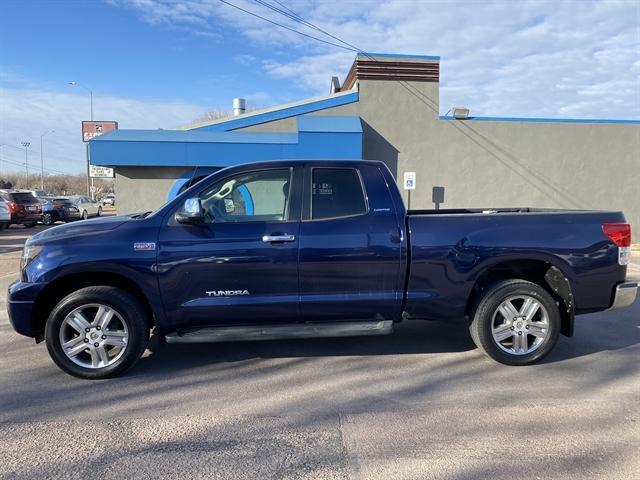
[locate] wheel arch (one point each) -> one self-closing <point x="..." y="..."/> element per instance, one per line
<point x="62" y="286"/>
<point x="547" y="274"/>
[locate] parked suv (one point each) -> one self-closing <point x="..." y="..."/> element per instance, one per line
<point x="109" y="199"/>
<point x="58" y="209"/>
<point x="23" y="207"/>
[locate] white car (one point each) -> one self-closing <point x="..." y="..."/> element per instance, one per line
<point x="5" y="216"/>
<point x="88" y="208"/>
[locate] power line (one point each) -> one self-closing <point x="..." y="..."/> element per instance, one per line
<point x="284" y="26"/>
<point x="21" y="164"/>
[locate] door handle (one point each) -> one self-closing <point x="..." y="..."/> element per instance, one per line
<point x="278" y="238"/>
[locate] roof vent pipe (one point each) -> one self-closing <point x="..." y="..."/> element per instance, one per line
<point x="239" y="106"/>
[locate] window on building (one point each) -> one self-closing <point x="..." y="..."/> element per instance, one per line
<point x="260" y="196"/>
<point x="336" y="192"/>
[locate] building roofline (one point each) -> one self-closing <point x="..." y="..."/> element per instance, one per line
<point x="398" y="55"/>
<point x="278" y="112"/>
<point x="543" y="120"/>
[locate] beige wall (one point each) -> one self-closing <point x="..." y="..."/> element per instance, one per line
<point x="139" y="189"/>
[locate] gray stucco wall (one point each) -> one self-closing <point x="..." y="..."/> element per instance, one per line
<point x="139" y="189"/>
<point x="495" y="163"/>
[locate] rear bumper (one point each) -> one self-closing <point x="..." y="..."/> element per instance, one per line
<point x="26" y="217"/>
<point x="20" y="307"/>
<point x="625" y="295"/>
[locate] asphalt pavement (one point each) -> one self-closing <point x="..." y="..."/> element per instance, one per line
<point x="419" y="404"/>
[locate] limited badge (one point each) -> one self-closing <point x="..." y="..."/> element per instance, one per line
<point x="144" y="246"/>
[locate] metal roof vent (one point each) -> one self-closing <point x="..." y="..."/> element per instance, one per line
<point x="460" y="113"/>
<point x="335" y="85"/>
<point x="239" y="106"/>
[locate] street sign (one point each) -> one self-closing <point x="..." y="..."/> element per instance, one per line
<point x="93" y="129"/>
<point x="409" y="180"/>
<point x="100" y="172"/>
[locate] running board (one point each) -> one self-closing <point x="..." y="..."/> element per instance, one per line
<point x="275" y="332"/>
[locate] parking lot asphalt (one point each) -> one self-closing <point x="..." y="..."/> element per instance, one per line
<point x="419" y="404"/>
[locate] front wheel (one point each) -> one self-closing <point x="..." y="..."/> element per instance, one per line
<point x="516" y="322"/>
<point x="47" y="219"/>
<point x="85" y="215"/>
<point x="97" y="332"/>
<point x="99" y="211"/>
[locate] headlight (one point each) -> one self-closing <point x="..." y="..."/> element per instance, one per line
<point x="29" y="253"/>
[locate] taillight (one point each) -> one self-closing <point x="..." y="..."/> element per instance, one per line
<point x="620" y="235"/>
<point x="12" y="207"/>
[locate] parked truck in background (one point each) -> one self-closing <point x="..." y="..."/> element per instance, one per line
<point x="298" y="249"/>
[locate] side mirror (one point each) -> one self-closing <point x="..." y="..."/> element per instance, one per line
<point x="191" y="212"/>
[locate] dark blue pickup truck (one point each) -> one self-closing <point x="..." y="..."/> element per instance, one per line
<point x="298" y="249"/>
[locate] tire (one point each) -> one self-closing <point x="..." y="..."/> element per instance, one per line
<point x="85" y="215"/>
<point x="99" y="211"/>
<point x="502" y="332"/>
<point x="125" y="340"/>
<point x="47" y="219"/>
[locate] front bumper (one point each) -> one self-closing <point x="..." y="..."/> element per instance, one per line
<point x="20" y="307"/>
<point x="625" y="295"/>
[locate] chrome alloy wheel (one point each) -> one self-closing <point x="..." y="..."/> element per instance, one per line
<point x="94" y="336"/>
<point x="520" y="325"/>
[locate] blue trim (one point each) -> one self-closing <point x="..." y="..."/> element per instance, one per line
<point x="182" y="136"/>
<point x="399" y="55"/>
<point x="543" y="120"/>
<point x="248" y="200"/>
<point x="285" y="112"/>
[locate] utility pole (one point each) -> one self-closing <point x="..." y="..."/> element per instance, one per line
<point x="86" y="145"/>
<point x="26" y="146"/>
<point x="42" y="160"/>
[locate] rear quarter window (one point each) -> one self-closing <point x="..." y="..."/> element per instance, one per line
<point x="336" y="192"/>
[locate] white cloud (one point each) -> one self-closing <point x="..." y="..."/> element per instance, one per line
<point x="26" y="113"/>
<point x="525" y="58"/>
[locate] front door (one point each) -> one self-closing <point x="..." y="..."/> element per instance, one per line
<point x="241" y="265"/>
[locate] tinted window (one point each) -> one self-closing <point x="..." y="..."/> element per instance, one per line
<point x="23" y="198"/>
<point x="250" y="197"/>
<point x="336" y="192"/>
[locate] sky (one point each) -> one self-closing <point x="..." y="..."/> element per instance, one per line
<point x="163" y="63"/>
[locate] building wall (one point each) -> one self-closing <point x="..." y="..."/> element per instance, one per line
<point x="495" y="163"/>
<point x="139" y="189"/>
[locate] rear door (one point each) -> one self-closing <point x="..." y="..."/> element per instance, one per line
<point x="350" y="246"/>
<point x="241" y="265"/>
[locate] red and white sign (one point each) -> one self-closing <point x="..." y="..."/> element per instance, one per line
<point x="92" y="129"/>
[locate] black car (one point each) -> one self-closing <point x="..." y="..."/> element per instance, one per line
<point x="58" y="209"/>
<point x="23" y="207"/>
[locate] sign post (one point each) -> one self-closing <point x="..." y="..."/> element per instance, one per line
<point x="92" y="129"/>
<point x="409" y="184"/>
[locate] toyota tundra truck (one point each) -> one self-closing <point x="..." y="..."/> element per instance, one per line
<point x="322" y="248"/>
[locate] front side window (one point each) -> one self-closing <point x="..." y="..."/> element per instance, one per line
<point x="261" y="196"/>
<point x="336" y="192"/>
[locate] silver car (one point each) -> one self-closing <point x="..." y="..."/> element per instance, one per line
<point x="5" y="215"/>
<point x="88" y="208"/>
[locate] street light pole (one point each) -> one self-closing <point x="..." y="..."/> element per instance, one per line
<point x="26" y="161"/>
<point x="42" y="160"/>
<point x="86" y="145"/>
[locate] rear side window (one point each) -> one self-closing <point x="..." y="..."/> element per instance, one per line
<point x="23" y="198"/>
<point x="336" y="192"/>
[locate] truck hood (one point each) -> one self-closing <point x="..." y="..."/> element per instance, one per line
<point x="79" y="228"/>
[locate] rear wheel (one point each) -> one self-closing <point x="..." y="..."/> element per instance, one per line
<point x="97" y="332"/>
<point x="516" y="322"/>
